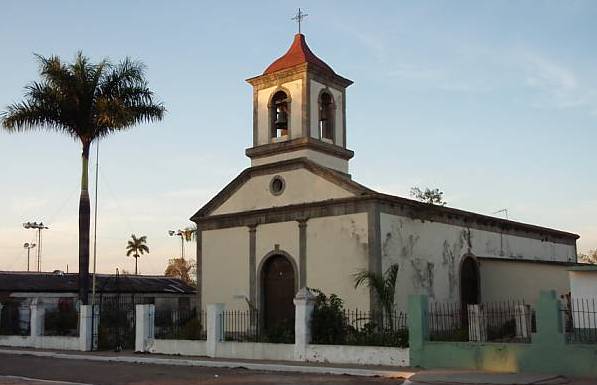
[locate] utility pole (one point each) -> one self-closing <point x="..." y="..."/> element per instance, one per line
<point x="29" y="246"/>
<point x="39" y="227"/>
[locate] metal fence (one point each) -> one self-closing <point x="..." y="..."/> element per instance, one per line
<point x="360" y="327"/>
<point x="180" y="324"/>
<point x="241" y="326"/>
<point x="61" y="317"/>
<point x="15" y="317"/>
<point x="580" y="319"/>
<point x="498" y="321"/>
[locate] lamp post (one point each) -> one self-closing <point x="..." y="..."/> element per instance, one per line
<point x="181" y="234"/>
<point x="28" y="246"/>
<point x="39" y="227"/>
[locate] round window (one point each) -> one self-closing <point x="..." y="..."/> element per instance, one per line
<point x="277" y="185"/>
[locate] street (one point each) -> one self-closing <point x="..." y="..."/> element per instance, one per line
<point x="27" y="370"/>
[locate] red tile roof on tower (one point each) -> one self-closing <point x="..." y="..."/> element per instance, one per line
<point x="298" y="53"/>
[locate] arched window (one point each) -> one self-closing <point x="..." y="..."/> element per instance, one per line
<point x="326" y="117"/>
<point x="279" y="114"/>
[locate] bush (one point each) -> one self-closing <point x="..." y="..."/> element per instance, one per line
<point x="328" y="323"/>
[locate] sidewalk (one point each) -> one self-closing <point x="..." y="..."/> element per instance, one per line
<point x="412" y="376"/>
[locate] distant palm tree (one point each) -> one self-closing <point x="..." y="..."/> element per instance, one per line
<point x="136" y="247"/>
<point x="383" y="285"/>
<point x="85" y="101"/>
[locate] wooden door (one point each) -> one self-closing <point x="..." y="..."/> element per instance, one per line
<point x="278" y="292"/>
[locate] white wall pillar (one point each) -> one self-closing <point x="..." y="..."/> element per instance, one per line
<point x="86" y="326"/>
<point x="144" y="327"/>
<point x="37" y="318"/>
<point x="522" y="315"/>
<point x="477" y="323"/>
<point x="304" y="302"/>
<point x="215" y="329"/>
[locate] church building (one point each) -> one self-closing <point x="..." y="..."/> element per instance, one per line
<point x="296" y="217"/>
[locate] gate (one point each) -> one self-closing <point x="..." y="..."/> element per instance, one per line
<point x="115" y="319"/>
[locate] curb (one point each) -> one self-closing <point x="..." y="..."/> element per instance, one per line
<point x="218" y="364"/>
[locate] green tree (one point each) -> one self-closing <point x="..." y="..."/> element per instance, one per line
<point x="431" y="196"/>
<point x="86" y="101"/>
<point x="136" y="247"/>
<point x="383" y="285"/>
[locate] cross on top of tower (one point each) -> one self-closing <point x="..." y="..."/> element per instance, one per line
<point x="300" y="15"/>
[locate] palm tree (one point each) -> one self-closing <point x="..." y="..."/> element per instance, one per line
<point x="85" y="101"/>
<point x="136" y="247"/>
<point x="383" y="285"/>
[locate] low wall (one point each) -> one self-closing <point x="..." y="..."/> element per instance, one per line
<point x="360" y="355"/>
<point x="182" y="347"/>
<point x="41" y="342"/>
<point x="255" y="350"/>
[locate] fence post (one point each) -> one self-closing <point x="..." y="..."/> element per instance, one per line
<point x="522" y="315"/>
<point x="215" y="332"/>
<point x="144" y="327"/>
<point x="477" y="323"/>
<point x="1" y="307"/>
<point x="304" y="302"/>
<point x="549" y="320"/>
<point x="418" y="327"/>
<point x="85" y="330"/>
<point x="37" y="318"/>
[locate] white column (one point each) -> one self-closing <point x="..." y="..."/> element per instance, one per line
<point x="215" y="329"/>
<point x="144" y="329"/>
<point x="477" y="323"/>
<point x="522" y="316"/>
<point x="85" y="327"/>
<point x="37" y="318"/>
<point x="304" y="302"/>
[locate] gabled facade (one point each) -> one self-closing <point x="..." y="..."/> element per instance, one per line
<point x="296" y="218"/>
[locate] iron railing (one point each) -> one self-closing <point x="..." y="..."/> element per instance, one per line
<point x="579" y="317"/>
<point x="447" y="321"/>
<point x="361" y="327"/>
<point x="15" y="317"/>
<point x="241" y="326"/>
<point x="180" y="324"/>
<point x="61" y="317"/>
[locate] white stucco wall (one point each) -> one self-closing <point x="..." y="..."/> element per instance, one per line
<point x="429" y="254"/>
<point x="283" y="234"/>
<point x="263" y="96"/>
<point x="225" y="266"/>
<point x="301" y="186"/>
<point x="255" y="351"/>
<point x="321" y="158"/>
<point x="181" y="347"/>
<point x="337" y="247"/>
<point x="583" y="284"/>
<point x="41" y="342"/>
<point x="316" y="88"/>
<point x="503" y="280"/>
<point x="358" y="355"/>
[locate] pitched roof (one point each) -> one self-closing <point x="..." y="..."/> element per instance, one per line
<point x="13" y="281"/>
<point x="298" y="53"/>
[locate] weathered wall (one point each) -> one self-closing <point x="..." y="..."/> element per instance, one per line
<point x="181" y="347"/>
<point x="225" y="266"/>
<point x="263" y="97"/>
<point x="255" y="351"/>
<point x="430" y="253"/>
<point x="301" y="186"/>
<point x="358" y="355"/>
<point x="502" y="280"/>
<point x="321" y="158"/>
<point x="583" y="284"/>
<point x="41" y="342"/>
<point x="316" y="88"/>
<point x="337" y="247"/>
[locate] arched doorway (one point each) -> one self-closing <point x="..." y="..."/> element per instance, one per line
<point x="469" y="282"/>
<point x="278" y="290"/>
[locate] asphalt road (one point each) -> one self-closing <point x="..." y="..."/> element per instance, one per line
<point x="28" y="370"/>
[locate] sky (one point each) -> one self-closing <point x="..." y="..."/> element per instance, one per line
<point x="495" y="103"/>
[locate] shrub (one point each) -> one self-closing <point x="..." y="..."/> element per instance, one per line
<point x="328" y="323"/>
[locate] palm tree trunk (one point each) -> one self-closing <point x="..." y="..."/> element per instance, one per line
<point x="84" y="223"/>
<point x="136" y="270"/>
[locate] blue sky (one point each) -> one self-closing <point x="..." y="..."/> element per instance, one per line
<point x="495" y="103"/>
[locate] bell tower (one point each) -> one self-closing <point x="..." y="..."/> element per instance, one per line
<point x="299" y="110"/>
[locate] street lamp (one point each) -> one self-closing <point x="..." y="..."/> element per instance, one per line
<point x="28" y="246"/>
<point x="39" y="227"/>
<point x="181" y="234"/>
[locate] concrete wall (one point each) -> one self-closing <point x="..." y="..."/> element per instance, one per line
<point x="41" y="342"/>
<point x="301" y="186"/>
<point x="430" y="253"/>
<point x="225" y="265"/>
<point x="583" y="284"/>
<point x="316" y="88"/>
<point x="255" y="350"/>
<point x="182" y="347"/>
<point x="337" y="247"/>
<point x="321" y="158"/>
<point x="508" y="279"/>
<point x="358" y="355"/>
